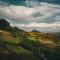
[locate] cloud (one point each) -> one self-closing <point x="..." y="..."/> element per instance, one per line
<point x="21" y="2"/>
<point x="14" y="2"/>
<point x="51" y="1"/>
<point x="43" y="27"/>
<point x="35" y="15"/>
<point x="40" y="25"/>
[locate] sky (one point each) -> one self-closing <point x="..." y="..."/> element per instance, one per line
<point x="41" y="15"/>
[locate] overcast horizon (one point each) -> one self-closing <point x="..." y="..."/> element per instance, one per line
<point x="41" y="15"/>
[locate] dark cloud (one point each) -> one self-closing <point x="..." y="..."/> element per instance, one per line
<point x="21" y="2"/>
<point x="17" y="2"/>
<point x="37" y="14"/>
<point x="14" y="2"/>
<point x="51" y="19"/>
<point x="51" y="1"/>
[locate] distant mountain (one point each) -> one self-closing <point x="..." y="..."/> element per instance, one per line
<point x="34" y="31"/>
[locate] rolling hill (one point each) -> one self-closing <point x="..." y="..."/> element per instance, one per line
<point x="17" y="44"/>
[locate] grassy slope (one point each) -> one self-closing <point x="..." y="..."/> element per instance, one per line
<point x="28" y="45"/>
<point x="10" y="46"/>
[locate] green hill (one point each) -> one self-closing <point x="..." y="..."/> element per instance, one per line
<point x="17" y="44"/>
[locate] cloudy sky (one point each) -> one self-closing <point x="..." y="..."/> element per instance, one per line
<point x="42" y="15"/>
